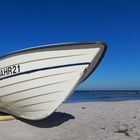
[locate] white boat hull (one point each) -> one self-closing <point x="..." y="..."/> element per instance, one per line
<point x="34" y="82"/>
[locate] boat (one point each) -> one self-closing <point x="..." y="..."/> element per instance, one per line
<point x="34" y="82"/>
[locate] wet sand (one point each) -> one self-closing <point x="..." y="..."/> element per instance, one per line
<point x="80" y="121"/>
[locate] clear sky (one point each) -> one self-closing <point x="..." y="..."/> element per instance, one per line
<point x="27" y="23"/>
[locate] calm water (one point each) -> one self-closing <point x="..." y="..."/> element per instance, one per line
<point x="99" y="96"/>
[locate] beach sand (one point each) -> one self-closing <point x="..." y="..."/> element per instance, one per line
<point x="80" y="121"/>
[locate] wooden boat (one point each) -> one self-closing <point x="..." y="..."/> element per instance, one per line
<point x="35" y="81"/>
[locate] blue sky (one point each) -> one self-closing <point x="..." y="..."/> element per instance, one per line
<point x="27" y="23"/>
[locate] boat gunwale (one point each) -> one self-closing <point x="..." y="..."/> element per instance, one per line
<point x="52" y="47"/>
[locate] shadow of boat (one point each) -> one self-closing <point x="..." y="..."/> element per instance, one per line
<point x="56" y="119"/>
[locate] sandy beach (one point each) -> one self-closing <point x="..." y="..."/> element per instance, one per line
<point x="80" y="121"/>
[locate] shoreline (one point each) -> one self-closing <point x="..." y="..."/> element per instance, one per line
<point x="80" y="121"/>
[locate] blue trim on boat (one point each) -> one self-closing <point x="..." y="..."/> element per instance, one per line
<point x="46" y="68"/>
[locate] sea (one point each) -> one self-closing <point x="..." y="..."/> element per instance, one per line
<point x="103" y="96"/>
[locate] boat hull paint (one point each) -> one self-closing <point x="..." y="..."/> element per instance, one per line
<point x="34" y="82"/>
